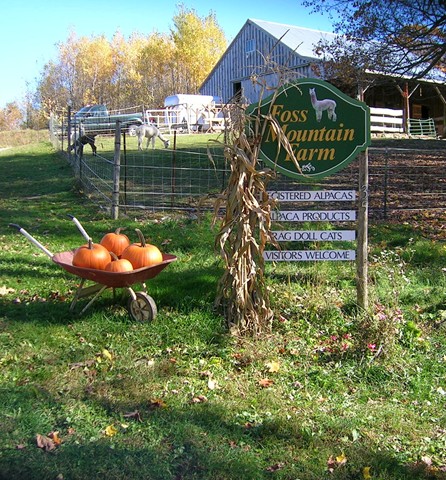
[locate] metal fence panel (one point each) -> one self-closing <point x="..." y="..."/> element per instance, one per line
<point x="164" y="179"/>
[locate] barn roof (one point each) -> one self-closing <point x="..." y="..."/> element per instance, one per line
<point x="303" y="40"/>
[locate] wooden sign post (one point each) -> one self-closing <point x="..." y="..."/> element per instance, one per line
<point x="326" y="130"/>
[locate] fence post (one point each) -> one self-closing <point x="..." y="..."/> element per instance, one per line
<point x="386" y="182"/>
<point x="362" y="241"/>
<point x="68" y="132"/>
<point x="124" y="144"/>
<point x="174" y="162"/>
<point x="116" y="172"/>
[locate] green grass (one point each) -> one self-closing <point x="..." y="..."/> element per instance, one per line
<point x="181" y="398"/>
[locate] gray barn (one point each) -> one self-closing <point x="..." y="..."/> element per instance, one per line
<point x="293" y="49"/>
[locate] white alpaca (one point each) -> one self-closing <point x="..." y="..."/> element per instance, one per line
<point x="322" y="105"/>
<point x="150" y="132"/>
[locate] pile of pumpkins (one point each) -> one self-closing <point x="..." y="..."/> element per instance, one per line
<point x="115" y="253"/>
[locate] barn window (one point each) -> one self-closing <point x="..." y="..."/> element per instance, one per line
<point x="250" y="45"/>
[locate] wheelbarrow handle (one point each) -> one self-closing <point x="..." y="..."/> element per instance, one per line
<point x="31" y="239"/>
<point x="80" y="228"/>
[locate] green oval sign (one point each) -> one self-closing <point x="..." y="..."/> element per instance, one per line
<point x="325" y="128"/>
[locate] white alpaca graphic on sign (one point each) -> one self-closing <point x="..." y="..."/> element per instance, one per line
<point x="321" y="106"/>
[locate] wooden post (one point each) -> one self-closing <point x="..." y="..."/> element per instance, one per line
<point x="116" y="172"/>
<point x="174" y="164"/>
<point x="68" y="133"/>
<point x="363" y="212"/>
<point x="363" y="219"/>
<point x="406" y="97"/>
<point x="443" y="133"/>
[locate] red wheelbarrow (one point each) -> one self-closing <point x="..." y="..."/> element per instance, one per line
<point x="141" y="306"/>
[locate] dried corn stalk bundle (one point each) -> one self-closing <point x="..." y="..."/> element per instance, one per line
<point x="245" y="228"/>
<point x="244" y="232"/>
<point x="241" y="241"/>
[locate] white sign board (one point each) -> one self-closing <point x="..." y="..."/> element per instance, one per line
<point x="314" y="196"/>
<point x="308" y="255"/>
<point x="314" y="235"/>
<point x="314" y="216"/>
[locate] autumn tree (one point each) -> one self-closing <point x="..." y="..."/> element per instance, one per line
<point x="127" y="78"/>
<point x="199" y="44"/>
<point x="10" y="117"/>
<point x="156" y="66"/>
<point x="399" y="37"/>
<point x="142" y="70"/>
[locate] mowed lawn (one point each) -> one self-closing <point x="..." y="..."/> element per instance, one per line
<point x="330" y="393"/>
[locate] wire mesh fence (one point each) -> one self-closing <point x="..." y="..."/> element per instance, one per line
<point x="401" y="181"/>
<point x="171" y="179"/>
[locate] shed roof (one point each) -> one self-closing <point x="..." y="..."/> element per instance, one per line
<point x="302" y="40"/>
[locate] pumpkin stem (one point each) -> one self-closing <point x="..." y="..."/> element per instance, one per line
<point x="114" y="256"/>
<point x="118" y="230"/>
<point x="142" y="240"/>
<point x="90" y="244"/>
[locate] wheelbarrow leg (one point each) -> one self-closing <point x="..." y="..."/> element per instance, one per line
<point x="82" y="292"/>
<point x="103" y="287"/>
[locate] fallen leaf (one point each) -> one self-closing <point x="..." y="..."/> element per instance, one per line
<point x="366" y="473"/>
<point x="55" y="438"/>
<point x="273" y="367"/>
<point x="45" y="443"/>
<point x="212" y="384"/>
<point x="335" y="462"/>
<point x="157" y="403"/>
<point x="275" y="467"/>
<point x="331" y="463"/>
<point x="135" y="415"/>
<point x="106" y="354"/>
<point x="266" y="382"/>
<point x="5" y="290"/>
<point x="199" y="399"/>
<point x="110" y="431"/>
<point x="86" y="364"/>
<point x="441" y="391"/>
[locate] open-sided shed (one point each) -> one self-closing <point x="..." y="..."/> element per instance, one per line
<point x="293" y="50"/>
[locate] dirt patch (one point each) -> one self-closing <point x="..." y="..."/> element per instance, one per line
<point x="409" y="143"/>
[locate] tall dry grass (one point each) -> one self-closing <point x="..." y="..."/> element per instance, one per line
<point x="16" y="138"/>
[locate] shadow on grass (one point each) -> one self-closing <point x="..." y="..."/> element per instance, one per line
<point x="182" y="291"/>
<point x="192" y="441"/>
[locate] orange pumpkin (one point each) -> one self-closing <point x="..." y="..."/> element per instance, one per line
<point x="118" y="265"/>
<point x="115" y="242"/>
<point x="91" y="255"/>
<point x="142" y="254"/>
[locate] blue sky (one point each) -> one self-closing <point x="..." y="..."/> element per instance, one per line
<point x="31" y="29"/>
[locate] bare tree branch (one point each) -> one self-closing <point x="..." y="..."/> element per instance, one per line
<point x="399" y="37"/>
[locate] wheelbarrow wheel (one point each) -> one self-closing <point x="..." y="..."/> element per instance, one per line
<point x="142" y="308"/>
